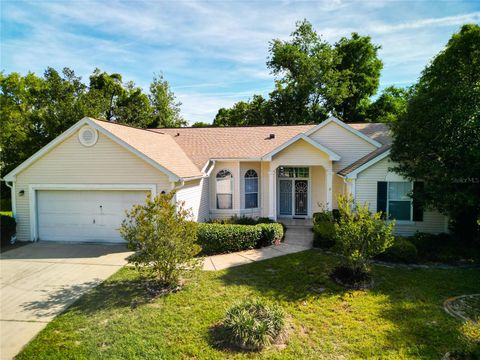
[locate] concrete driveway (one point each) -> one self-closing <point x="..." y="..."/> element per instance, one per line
<point x="40" y="280"/>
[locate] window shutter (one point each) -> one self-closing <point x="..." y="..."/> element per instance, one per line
<point x="417" y="206"/>
<point x="382" y="197"/>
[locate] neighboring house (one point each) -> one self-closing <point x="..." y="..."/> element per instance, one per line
<point x="78" y="187"/>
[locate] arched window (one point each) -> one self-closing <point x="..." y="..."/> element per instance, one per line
<point x="224" y="189"/>
<point x="251" y="189"/>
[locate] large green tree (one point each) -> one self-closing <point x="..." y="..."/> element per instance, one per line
<point x="166" y="108"/>
<point x="438" y="138"/>
<point x="391" y="104"/>
<point x="358" y="71"/>
<point x="313" y="79"/>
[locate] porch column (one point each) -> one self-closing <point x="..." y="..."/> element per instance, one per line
<point x="329" y="189"/>
<point x="272" y="190"/>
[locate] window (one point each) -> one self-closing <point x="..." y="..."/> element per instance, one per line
<point x="251" y="189"/>
<point x="293" y="172"/>
<point x="224" y="189"/>
<point x="399" y="203"/>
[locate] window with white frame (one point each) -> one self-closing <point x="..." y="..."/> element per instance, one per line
<point x="224" y="189"/>
<point x="399" y="203"/>
<point x="251" y="189"/>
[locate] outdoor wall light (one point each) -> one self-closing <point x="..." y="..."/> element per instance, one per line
<point x="21" y="193"/>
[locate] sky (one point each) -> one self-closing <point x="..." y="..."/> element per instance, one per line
<point x="214" y="53"/>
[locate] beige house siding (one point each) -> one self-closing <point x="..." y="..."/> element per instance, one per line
<point x="71" y="163"/>
<point x="319" y="192"/>
<point x="339" y="188"/>
<point x="346" y="144"/>
<point x="193" y="194"/>
<point x="366" y="191"/>
<point x="300" y="153"/>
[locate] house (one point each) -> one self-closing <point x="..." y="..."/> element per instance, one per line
<point x="78" y="187"/>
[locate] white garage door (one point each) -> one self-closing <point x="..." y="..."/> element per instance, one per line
<point x="85" y="216"/>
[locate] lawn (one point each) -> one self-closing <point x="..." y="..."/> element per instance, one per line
<point x="401" y="317"/>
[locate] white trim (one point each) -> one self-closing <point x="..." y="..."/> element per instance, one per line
<point x="354" y="173"/>
<point x="34" y="187"/>
<point x="346" y="127"/>
<point x="331" y="154"/>
<point x="70" y="131"/>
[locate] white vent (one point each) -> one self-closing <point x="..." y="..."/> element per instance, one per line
<point x="88" y="136"/>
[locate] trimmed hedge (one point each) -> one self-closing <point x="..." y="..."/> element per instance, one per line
<point x="224" y="238"/>
<point x="7" y="228"/>
<point x="402" y="250"/>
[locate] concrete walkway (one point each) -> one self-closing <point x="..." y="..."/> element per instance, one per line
<point x="299" y="237"/>
<point x="40" y="280"/>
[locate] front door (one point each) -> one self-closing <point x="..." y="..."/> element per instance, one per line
<point x="285" y="197"/>
<point x="301" y="197"/>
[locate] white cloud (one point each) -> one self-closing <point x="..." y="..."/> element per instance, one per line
<point x="214" y="53"/>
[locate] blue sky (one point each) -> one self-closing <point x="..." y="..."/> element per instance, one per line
<point x="214" y="53"/>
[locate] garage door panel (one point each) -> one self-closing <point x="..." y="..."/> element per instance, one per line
<point x="84" y="215"/>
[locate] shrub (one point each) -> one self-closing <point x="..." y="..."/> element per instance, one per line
<point x="323" y="229"/>
<point x="7" y="228"/>
<point x="224" y="238"/>
<point x="163" y="238"/>
<point x="444" y="248"/>
<point x="402" y="250"/>
<point x="271" y="234"/>
<point x="360" y="235"/>
<point x="324" y="234"/>
<point x="253" y="325"/>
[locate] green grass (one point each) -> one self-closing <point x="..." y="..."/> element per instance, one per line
<point x="401" y="317"/>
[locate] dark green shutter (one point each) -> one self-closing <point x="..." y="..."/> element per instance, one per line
<point x="417" y="206"/>
<point x="382" y="197"/>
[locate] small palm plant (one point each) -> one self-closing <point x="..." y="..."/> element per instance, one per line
<point x="252" y="325"/>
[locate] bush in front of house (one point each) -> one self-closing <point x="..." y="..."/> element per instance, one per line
<point x="253" y="325"/>
<point x="163" y="238"/>
<point x="272" y="233"/>
<point x="224" y="238"/>
<point x="444" y="248"/>
<point x="359" y="236"/>
<point x="238" y="233"/>
<point x="7" y="228"/>
<point x="402" y="250"/>
<point x="323" y="229"/>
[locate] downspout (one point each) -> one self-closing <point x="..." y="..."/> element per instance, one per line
<point x="12" y="193"/>
<point x="12" y="187"/>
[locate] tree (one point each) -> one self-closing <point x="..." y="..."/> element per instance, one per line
<point x="200" y="124"/>
<point x="163" y="237"/>
<point x="166" y="110"/>
<point x="389" y="105"/>
<point x="360" y="235"/>
<point x="358" y="68"/>
<point x="313" y="79"/>
<point x="437" y="140"/>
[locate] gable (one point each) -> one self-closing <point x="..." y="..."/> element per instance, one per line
<point x="301" y="153"/>
<point x="105" y="162"/>
<point x="348" y="145"/>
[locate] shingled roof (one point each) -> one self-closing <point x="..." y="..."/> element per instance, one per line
<point x="202" y="144"/>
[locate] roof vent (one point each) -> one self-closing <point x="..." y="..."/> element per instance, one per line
<point x="177" y="134"/>
<point x="88" y="136"/>
<point x="271" y="136"/>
